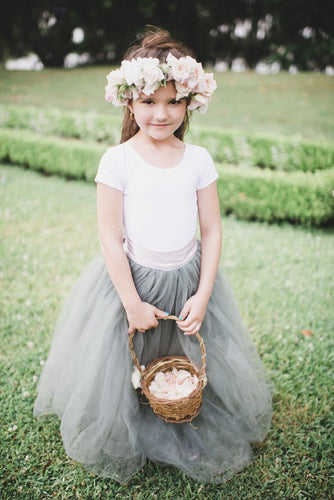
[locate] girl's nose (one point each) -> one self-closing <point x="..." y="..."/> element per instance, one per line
<point x="161" y="113"/>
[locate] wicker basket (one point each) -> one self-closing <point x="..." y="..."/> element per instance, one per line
<point x="173" y="410"/>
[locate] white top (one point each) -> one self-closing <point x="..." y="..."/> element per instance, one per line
<point x="160" y="204"/>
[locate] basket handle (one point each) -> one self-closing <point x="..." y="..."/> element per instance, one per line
<point x="199" y="338"/>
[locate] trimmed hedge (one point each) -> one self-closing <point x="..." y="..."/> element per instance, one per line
<point x="266" y="152"/>
<point x="266" y="195"/>
<point x="72" y="124"/>
<point x="225" y="146"/>
<point x="65" y="157"/>
<point x="249" y="193"/>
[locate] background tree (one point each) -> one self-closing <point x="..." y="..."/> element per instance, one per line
<point x="299" y="32"/>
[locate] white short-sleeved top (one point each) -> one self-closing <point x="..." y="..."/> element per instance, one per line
<point x="160" y="204"/>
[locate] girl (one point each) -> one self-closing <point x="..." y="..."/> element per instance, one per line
<point x="150" y="189"/>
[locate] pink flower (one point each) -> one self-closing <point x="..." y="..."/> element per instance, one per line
<point x="206" y="85"/>
<point x="147" y="74"/>
<point x="199" y="102"/>
<point x="196" y="75"/>
<point x="181" y="68"/>
<point x="111" y="95"/>
<point x="182" y="90"/>
<point x="169" y="76"/>
<point x="131" y="93"/>
<point x="173" y="384"/>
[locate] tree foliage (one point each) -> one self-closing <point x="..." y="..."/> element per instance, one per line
<point x="299" y="32"/>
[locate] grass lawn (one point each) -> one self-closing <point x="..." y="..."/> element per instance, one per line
<point x="299" y="105"/>
<point x="282" y="277"/>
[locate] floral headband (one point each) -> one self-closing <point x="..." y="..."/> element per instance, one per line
<point x="146" y="74"/>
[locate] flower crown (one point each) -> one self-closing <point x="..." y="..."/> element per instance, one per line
<point x="146" y="74"/>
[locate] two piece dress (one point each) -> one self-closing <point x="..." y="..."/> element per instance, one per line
<point x="86" y="379"/>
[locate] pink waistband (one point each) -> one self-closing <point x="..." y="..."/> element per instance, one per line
<point x="162" y="261"/>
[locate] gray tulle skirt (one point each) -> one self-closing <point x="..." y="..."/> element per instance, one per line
<point x="86" y="379"/>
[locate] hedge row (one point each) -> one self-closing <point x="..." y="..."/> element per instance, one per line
<point x="267" y="152"/>
<point x="72" y="124"/>
<point x="225" y="146"/>
<point x="297" y="197"/>
<point x="250" y="193"/>
<point x="65" y="157"/>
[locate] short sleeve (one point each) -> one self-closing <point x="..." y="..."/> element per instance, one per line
<point x="208" y="172"/>
<point x="111" y="169"/>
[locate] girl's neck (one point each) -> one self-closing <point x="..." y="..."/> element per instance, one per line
<point x="145" y="142"/>
<point x="162" y="154"/>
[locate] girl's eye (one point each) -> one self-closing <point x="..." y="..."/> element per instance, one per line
<point x="148" y="101"/>
<point x="174" y="101"/>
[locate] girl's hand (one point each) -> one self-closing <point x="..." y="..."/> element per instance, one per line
<point x="143" y="316"/>
<point x="193" y="311"/>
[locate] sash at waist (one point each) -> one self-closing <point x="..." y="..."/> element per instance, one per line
<point x="162" y="261"/>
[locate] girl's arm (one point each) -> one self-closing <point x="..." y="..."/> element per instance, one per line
<point x="211" y="240"/>
<point x="141" y="315"/>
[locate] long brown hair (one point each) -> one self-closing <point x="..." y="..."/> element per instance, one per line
<point x="156" y="43"/>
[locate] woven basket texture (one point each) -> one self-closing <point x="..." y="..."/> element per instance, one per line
<point x="173" y="410"/>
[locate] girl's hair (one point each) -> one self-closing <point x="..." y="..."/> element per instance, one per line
<point x="156" y="43"/>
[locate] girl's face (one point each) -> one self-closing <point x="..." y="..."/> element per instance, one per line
<point x="159" y="115"/>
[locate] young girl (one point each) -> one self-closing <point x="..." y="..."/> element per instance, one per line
<point x="150" y="189"/>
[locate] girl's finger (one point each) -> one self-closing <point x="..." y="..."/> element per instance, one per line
<point x="189" y="321"/>
<point x="184" y="313"/>
<point x="159" y="313"/>
<point x="188" y="328"/>
<point x="194" y="329"/>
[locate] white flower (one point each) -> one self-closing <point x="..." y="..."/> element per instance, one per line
<point x="153" y="76"/>
<point x="147" y="74"/>
<point x="174" y="384"/>
<point x="160" y="377"/>
<point x="143" y="62"/>
<point x="132" y="73"/>
<point x="116" y="77"/>
<point x="136" y="377"/>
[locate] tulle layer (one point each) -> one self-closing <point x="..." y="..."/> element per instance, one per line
<point x="86" y="380"/>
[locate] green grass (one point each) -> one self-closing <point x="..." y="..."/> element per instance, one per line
<point x="292" y="105"/>
<point x="282" y="277"/>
